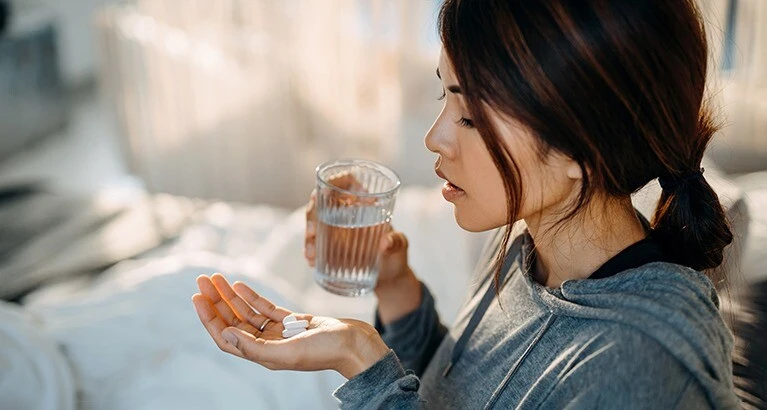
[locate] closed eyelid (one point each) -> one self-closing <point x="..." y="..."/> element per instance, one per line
<point x="454" y="89"/>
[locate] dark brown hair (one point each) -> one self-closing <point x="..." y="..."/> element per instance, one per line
<point x="617" y="86"/>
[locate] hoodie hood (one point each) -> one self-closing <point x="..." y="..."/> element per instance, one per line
<point x="675" y="305"/>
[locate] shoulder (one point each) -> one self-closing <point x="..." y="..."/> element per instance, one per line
<point x="612" y="365"/>
<point x="597" y="342"/>
<point x="656" y="286"/>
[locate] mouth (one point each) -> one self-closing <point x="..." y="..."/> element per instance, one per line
<point x="450" y="191"/>
<point x="448" y="183"/>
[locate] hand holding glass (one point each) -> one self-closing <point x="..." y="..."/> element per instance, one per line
<point x="354" y="202"/>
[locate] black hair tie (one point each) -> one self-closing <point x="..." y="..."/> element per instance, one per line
<point x="671" y="183"/>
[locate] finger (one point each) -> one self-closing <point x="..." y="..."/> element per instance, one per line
<point x="385" y="239"/>
<point x="345" y="180"/>
<point x="310" y="251"/>
<point x="311" y="207"/>
<point x="272" y="354"/>
<point x="386" y="242"/>
<point x="311" y="228"/>
<point x="260" y="303"/>
<point x="213" y="323"/>
<point x="210" y="291"/>
<point x="242" y="309"/>
<point x="396" y="242"/>
<point x="310" y="241"/>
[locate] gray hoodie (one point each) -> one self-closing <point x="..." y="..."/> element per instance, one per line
<point x="649" y="337"/>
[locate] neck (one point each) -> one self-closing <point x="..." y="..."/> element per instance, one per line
<point x="578" y="247"/>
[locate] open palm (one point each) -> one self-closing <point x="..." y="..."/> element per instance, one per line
<point x="328" y="343"/>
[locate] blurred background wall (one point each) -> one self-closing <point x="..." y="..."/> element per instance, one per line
<point x="240" y="99"/>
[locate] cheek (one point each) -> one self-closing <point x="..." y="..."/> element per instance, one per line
<point x="536" y="183"/>
<point x="484" y="207"/>
<point x="545" y="186"/>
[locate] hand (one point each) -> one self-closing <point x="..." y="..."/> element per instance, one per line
<point x="233" y="314"/>
<point x="393" y="245"/>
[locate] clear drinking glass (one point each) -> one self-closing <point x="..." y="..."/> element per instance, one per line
<point x="355" y="200"/>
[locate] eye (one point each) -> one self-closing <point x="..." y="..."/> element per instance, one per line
<point x="441" y="97"/>
<point x="465" y="122"/>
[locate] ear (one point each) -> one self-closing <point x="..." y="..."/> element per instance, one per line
<point x="574" y="170"/>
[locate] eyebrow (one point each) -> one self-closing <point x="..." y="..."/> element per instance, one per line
<point x="453" y="88"/>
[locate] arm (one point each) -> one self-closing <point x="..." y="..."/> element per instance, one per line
<point x="415" y="335"/>
<point x="408" y="323"/>
<point x="385" y="385"/>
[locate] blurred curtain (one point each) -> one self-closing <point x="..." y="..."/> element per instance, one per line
<point x="737" y="31"/>
<point x="241" y="99"/>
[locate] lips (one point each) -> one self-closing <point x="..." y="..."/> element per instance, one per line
<point x="441" y="175"/>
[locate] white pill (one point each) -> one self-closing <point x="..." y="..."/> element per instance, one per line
<point x="289" y="318"/>
<point x="298" y="324"/>
<point x="292" y="332"/>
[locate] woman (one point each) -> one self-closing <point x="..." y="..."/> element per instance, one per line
<point x="555" y="113"/>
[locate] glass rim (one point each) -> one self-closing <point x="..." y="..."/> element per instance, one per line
<point x="353" y="161"/>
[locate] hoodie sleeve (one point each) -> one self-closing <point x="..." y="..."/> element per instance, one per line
<point x="385" y="385"/>
<point x="416" y="336"/>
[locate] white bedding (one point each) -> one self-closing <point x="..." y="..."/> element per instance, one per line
<point x="33" y="372"/>
<point x="134" y="341"/>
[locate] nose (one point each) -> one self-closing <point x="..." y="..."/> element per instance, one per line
<point x="440" y="138"/>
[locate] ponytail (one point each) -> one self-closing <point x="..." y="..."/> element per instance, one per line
<point x="689" y="221"/>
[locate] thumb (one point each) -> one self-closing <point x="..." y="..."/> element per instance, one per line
<point x="394" y="242"/>
<point x="254" y="349"/>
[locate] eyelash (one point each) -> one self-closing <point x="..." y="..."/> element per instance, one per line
<point x="441" y="97"/>
<point x="465" y="122"/>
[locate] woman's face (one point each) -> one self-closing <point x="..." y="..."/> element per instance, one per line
<point x="475" y="185"/>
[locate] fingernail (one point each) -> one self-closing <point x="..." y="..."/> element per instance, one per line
<point x="229" y="336"/>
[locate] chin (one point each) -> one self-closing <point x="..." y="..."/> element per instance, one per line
<point x="475" y="222"/>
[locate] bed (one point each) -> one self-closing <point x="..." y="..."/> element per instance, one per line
<point x="127" y="337"/>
